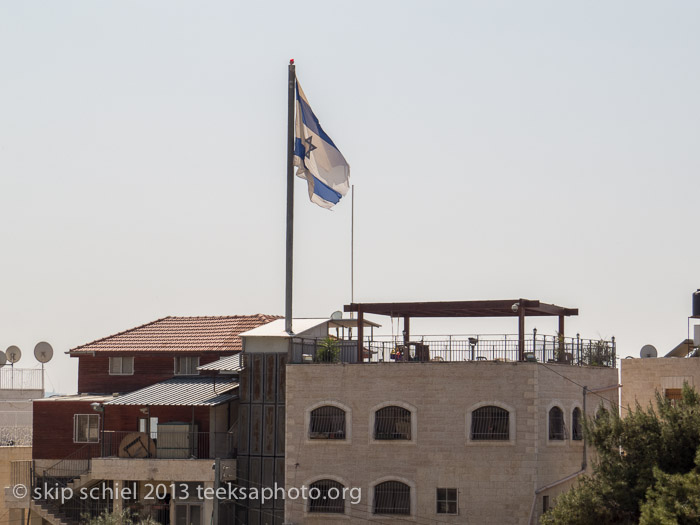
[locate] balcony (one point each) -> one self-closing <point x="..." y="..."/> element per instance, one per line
<point x="458" y="348"/>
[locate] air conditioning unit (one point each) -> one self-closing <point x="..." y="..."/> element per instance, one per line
<point x="177" y="441"/>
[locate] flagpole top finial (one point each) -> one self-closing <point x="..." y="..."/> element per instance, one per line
<point x="291" y="61"/>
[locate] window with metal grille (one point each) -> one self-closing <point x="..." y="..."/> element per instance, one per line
<point x="490" y="423"/>
<point x="576" y="425"/>
<point x="556" y="424"/>
<point x="447" y="501"/>
<point x="328" y="497"/>
<point x="392" y="422"/>
<point x="392" y="497"/>
<point x="327" y="422"/>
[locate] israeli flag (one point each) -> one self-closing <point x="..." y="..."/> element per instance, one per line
<point x="317" y="158"/>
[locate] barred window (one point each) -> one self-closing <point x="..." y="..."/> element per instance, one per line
<point x="576" y="425"/>
<point x="447" y="501"/>
<point x="490" y="423"/>
<point x="328" y="497"/>
<point x="392" y="497"/>
<point x="392" y="423"/>
<point x="327" y="422"/>
<point x="556" y="424"/>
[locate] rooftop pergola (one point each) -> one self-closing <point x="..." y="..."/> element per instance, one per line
<point x="520" y="308"/>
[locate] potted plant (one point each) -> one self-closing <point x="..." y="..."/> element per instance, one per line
<point x="328" y="351"/>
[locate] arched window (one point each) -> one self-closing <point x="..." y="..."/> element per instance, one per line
<point x="556" y="424"/>
<point x="576" y="425"/>
<point x="392" y="497"/>
<point x="490" y="423"/>
<point x="392" y="422"/>
<point x="326" y="495"/>
<point x="327" y="422"/>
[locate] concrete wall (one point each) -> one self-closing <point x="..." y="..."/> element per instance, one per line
<point x="496" y="480"/>
<point x="7" y="456"/>
<point x="642" y="378"/>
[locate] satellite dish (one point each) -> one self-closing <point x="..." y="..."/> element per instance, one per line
<point x="3" y="360"/>
<point x="13" y="354"/>
<point x="43" y="352"/>
<point x="647" y="351"/>
<point x="337" y="315"/>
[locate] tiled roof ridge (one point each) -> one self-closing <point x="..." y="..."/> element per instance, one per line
<point x="260" y="316"/>
<point x="119" y="333"/>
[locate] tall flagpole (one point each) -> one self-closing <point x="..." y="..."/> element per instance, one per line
<point x="352" y="247"/>
<point x="290" y="198"/>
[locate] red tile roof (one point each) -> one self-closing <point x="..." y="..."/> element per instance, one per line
<point x="180" y="334"/>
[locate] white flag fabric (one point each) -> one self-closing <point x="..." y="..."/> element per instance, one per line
<point x="317" y="158"/>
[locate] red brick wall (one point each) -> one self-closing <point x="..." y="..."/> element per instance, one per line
<point x="53" y="423"/>
<point x="93" y="372"/>
<point x="53" y="428"/>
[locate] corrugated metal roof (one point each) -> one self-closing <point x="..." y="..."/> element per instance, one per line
<point x="182" y="391"/>
<point x="230" y="363"/>
<point x="180" y="334"/>
<point x="276" y="328"/>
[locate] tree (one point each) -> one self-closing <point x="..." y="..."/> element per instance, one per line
<point x="125" y="517"/>
<point x="674" y="498"/>
<point x="643" y="458"/>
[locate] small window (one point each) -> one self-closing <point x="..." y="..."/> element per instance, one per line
<point x="143" y="426"/>
<point x="327" y="422"/>
<point x="447" y="501"/>
<point x="556" y="424"/>
<point x="490" y="423"/>
<point x="86" y="428"/>
<point x="392" y="423"/>
<point x="576" y="425"/>
<point x="674" y="394"/>
<point x="186" y="366"/>
<point x="121" y="366"/>
<point x="545" y="504"/>
<point x="392" y="497"/>
<point x="327" y="498"/>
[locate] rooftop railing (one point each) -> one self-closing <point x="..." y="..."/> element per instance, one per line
<point x="458" y="348"/>
<point x="20" y="378"/>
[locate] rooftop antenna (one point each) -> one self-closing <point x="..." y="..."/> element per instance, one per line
<point x="648" y="351"/>
<point x="43" y="353"/>
<point x="13" y="354"/>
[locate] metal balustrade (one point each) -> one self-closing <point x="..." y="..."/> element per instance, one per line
<point x="458" y="348"/>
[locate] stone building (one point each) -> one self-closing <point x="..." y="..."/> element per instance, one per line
<point x="455" y="429"/>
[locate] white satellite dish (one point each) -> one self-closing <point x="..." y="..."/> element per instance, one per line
<point x="43" y="352"/>
<point x="337" y="315"/>
<point x="647" y="351"/>
<point x="13" y="354"/>
<point x="3" y="360"/>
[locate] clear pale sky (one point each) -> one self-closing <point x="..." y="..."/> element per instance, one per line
<point x="546" y="150"/>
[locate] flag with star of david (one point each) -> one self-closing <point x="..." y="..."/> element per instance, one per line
<point x="317" y="158"/>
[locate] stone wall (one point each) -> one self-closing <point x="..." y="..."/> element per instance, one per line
<point x="642" y="378"/>
<point x="496" y="480"/>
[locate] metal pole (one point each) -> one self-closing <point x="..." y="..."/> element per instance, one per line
<point x="290" y="198"/>
<point x="352" y="249"/>
<point x="217" y="484"/>
<point x="584" y="461"/>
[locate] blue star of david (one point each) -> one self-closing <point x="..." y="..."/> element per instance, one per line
<point x="309" y="147"/>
